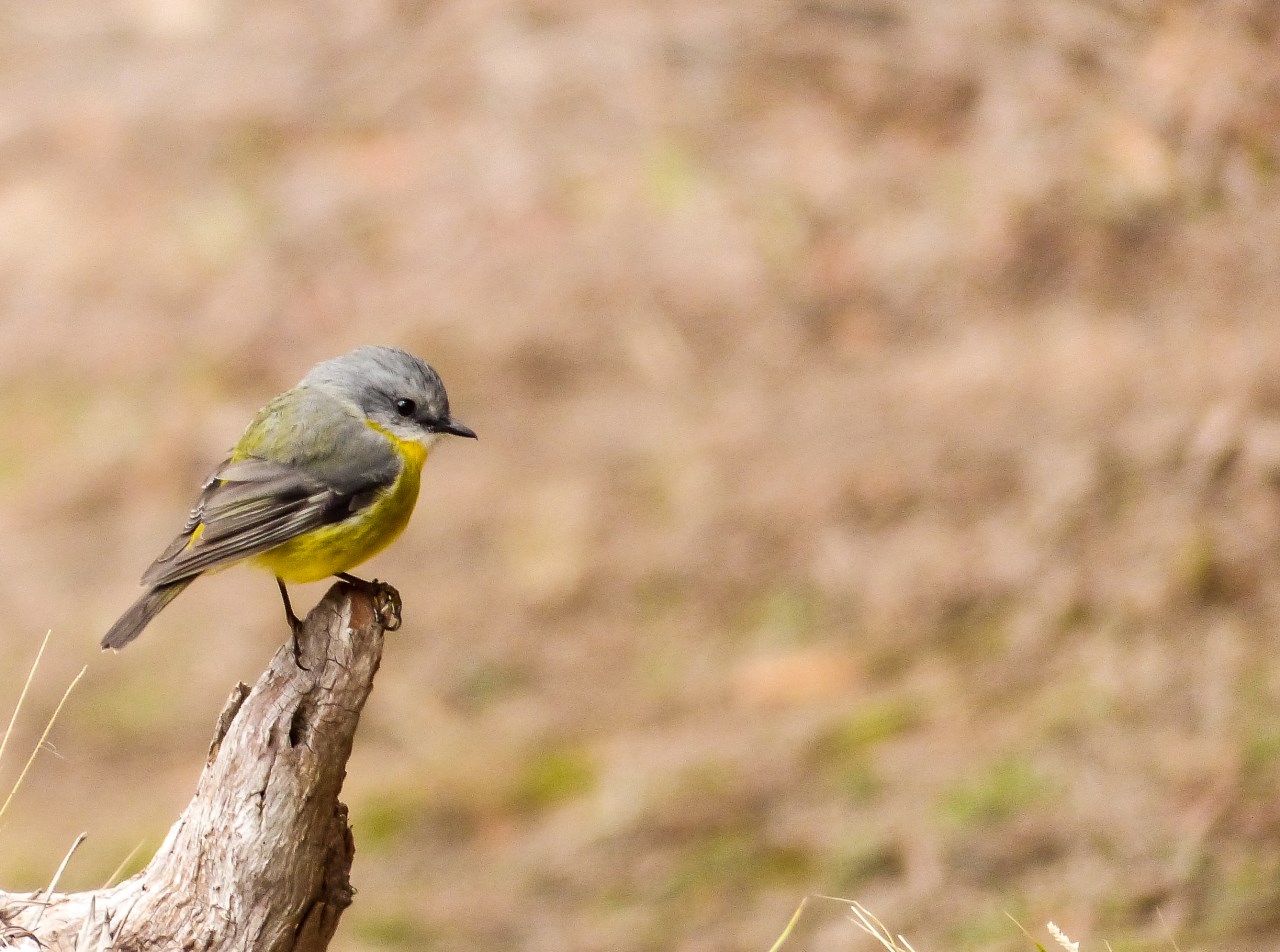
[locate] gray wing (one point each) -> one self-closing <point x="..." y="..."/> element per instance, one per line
<point x="253" y="504"/>
<point x="249" y="507"/>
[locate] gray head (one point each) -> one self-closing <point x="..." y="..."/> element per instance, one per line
<point x="394" y="389"/>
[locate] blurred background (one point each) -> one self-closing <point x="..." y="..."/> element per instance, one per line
<point x="877" y="485"/>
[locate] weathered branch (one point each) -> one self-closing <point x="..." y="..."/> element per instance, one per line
<point x="260" y="858"/>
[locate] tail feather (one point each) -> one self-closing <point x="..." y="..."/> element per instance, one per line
<point x="141" y="612"/>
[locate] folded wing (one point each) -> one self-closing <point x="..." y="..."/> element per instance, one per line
<point x="252" y="505"/>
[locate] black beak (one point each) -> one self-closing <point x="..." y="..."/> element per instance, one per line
<point x="456" y="428"/>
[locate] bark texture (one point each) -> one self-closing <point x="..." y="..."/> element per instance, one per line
<point x="260" y="858"/>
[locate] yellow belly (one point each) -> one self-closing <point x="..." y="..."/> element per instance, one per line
<point x="322" y="552"/>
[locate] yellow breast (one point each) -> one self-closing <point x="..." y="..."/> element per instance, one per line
<point x="322" y="552"/>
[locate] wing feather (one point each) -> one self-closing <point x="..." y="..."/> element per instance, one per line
<point x="248" y="507"/>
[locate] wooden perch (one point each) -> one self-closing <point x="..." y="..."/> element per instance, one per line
<point x="260" y="858"/>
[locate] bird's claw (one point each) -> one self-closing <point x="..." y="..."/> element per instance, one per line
<point x="296" y="627"/>
<point x="386" y="600"/>
<point x="386" y="605"/>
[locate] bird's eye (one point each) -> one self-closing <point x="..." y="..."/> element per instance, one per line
<point x="406" y="408"/>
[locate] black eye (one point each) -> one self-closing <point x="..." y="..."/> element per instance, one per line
<point x="406" y="408"/>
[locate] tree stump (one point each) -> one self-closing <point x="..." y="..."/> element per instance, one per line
<point x="259" y="860"/>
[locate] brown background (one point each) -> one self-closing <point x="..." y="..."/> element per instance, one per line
<point x="877" y="484"/>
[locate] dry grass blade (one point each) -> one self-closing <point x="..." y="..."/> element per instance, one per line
<point x="22" y="696"/>
<point x="786" y="933"/>
<point x="865" y="920"/>
<point x="1167" y="931"/>
<point x="862" y="918"/>
<point x="115" y="873"/>
<point x="1023" y="930"/>
<point x="44" y="736"/>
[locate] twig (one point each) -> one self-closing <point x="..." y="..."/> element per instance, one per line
<point x="53" y="883"/>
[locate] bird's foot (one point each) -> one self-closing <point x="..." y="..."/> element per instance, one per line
<point x="386" y="600"/>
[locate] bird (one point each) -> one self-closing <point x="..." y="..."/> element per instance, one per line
<point x="324" y="477"/>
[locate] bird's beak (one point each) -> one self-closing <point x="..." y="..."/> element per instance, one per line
<point x="456" y="428"/>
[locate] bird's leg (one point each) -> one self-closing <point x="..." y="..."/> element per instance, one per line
<point x="294" y="621"/>
<point x="386" y="600"/>
<point x="295" y="624"/>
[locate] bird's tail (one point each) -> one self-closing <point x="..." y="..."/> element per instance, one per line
<point x="141" y="612"/>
